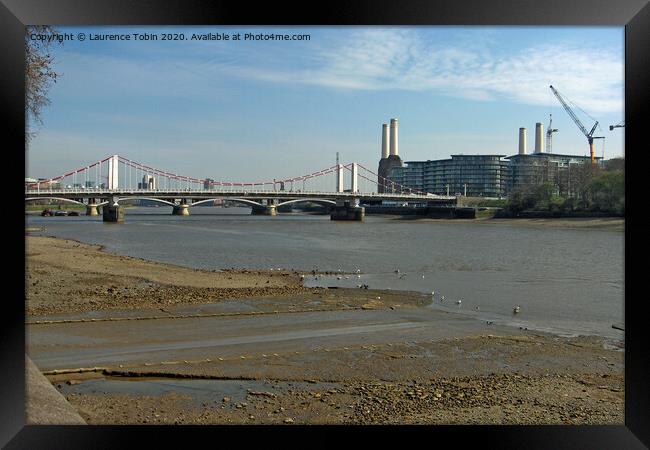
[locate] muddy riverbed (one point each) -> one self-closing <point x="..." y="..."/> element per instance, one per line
<point x="133" y="341"/>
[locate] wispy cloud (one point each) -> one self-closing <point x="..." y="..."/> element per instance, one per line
<point x="402" y="59"/>
<point x="371" y="59"/>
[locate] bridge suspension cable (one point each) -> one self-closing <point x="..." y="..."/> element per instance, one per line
<point x="128" y="169"/>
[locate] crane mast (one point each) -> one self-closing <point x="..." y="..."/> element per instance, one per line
<point x="588" y="134"/>
<point x="549" y="135"/>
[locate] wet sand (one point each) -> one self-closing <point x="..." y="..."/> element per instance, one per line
<point x="326" y="355"/>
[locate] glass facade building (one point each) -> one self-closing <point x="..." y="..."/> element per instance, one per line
<point x="471" y="175"/>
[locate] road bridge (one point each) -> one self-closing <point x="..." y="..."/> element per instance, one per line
<point x="86" y="186"/>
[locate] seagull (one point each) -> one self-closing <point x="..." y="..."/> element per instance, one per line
<point x="397" y="271"/>
<point x="423" y="277"/>
<point x="516" y="309"/>
<point x="458" y="302"/>
<point x="358" y="270"/>
<point x="477" y="308"/>
<point x="442" y="298"/>
<point x="358" y="276"/>
<point x="433" y="293"/>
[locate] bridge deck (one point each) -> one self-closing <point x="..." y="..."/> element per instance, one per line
<point x="206" y="194"/>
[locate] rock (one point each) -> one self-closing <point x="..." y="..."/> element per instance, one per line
<point x="288" y="420"/>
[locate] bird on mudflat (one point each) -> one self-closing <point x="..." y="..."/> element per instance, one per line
<point x="516" y="309"/>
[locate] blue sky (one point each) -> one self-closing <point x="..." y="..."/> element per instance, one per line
<point x="254" y="110"/>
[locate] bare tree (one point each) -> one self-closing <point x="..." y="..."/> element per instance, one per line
<point x="39" y="72"/>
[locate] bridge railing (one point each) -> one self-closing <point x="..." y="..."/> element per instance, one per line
<point x="219" y="192"/>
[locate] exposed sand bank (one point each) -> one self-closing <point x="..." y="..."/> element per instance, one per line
<point x="65" y="277"/>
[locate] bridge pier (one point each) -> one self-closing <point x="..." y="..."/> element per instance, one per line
<point x="113" y="213"/>
<point x="181" y="210"/>
<point x="91" y="209"/>
<point x="264" y="210"/>
<point x="348" y="211"/>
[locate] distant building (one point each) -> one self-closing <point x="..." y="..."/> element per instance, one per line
<point x="45" y="183"/>
<point x="148" y="183"/>
<point x="527" y="170"/>
<point x="471" y="175"/>
<point x="480" y="175"/>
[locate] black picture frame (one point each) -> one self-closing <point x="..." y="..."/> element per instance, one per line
<point x="634" y="15"/>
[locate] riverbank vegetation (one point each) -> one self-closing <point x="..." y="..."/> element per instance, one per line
<point x="593" y="190"/>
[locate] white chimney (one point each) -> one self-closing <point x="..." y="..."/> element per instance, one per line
<point x="384" y="140"/>
<point x="522" y="141"/>
<point x="539" y="133"/>
<point x="393" y="137"/>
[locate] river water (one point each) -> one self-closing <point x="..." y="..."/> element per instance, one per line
<point x="567" y="281"/>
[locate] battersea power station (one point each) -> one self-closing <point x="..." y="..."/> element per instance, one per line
<point x="477" y="175"/>
<point x="389" y="156"/>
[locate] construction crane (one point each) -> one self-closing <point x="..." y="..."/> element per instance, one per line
<point x="588" y="134"/>
<point x="549" y="135"/>
<point x="618" y="125"/>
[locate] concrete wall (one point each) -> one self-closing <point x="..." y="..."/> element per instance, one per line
<point x="44" y="405"/>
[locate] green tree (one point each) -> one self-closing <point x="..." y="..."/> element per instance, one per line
<point x="520" y="199"/>
<point x="584" y="174"/>
<point x="607" y="192"/>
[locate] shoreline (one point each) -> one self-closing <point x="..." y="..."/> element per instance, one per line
<point x="595" y="223"/>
